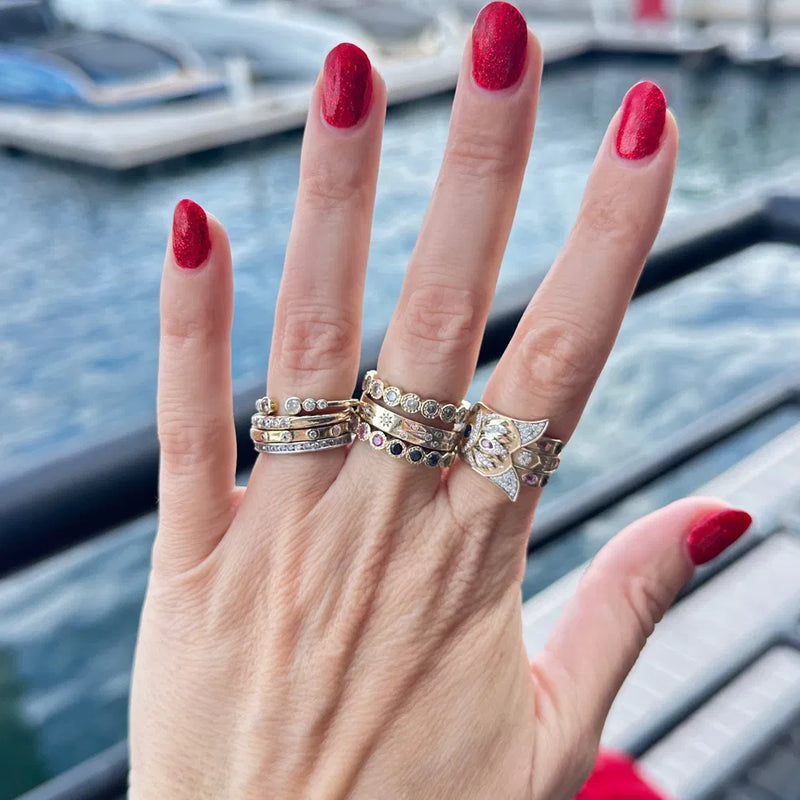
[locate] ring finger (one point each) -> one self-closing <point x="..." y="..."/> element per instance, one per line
<point x="567" y="331"/>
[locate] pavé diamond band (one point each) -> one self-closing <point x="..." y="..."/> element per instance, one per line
<point x="509" y="452"/>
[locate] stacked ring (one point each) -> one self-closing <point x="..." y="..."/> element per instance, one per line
<point x="507" y="451"/>
<point x="408" y="430"/>
<point x="300" y="430"/>
<point x="386" y="422"/>
<point x="294" y="406"/>
<point x="391" y="396"/>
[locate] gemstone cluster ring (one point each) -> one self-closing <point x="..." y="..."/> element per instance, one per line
<point x="509" y="452"/>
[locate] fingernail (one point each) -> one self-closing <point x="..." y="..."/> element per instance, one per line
<point x="346" y="85"/>
<point x="191" y="242"/>
<point x="716" y="532"/>
<point x="644" y="113"/>
<point x="499" y="46"/>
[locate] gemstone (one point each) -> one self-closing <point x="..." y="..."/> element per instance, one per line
<point x="461" y="415"/>
<point x="531" y="479"/>
<point x="366" y="382"/>
<point x="336" y="430"/>
<point x="432" y="459"/>
<point x="410" y="403"/>
<point x="415" y="455"/>
<point x="280" y="422"/>
<point x="292" y="405"/>
<point x="546" y="446"/>
<point x="313" y="434"/>
<point x="447" y="459"/>
<point x="376" y="389"/>
<point x="430" y="409"/>
<point x="467" y="431"/>
<point x="525" y="458"/>
<point x="447" y="412"/>
<point x="286" y="436"/>
<point x="362" y="431"/>
<point x="544" y="481"/>
<point x="378" y="440"/>
<point x="391" y="396"/>
<point x="309" y="404"/>
<point x="396" y="449"/>
<point x="486" y="445"/>
<point x="322" y="404"/>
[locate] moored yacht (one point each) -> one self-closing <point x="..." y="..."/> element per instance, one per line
<point x="45" y="62"/>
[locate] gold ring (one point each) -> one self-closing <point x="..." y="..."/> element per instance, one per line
<point x="414" y="454"/>
<point x="301" y="435"/>
<point x="266" y="422"/>
<point x="408" y="430"/>
<point x="294" y="406"/>
<point x="509" y="451"/>
<point x="391" y="396"/>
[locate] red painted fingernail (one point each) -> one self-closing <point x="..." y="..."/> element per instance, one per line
<point x="191" y="242"/>
<point x="644" y="113"/>
<point x="499" y="46"/>
<point x="346" y="85"/>
<point x="714" y="533"/>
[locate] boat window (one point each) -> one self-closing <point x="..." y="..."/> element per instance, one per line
<point x="22" y="19"/>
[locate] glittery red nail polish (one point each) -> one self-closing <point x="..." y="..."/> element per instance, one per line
<point x="346" y="85"/>
<point x="644" y="113"/>
<point x="714" y="533"/>
<point x="191" y="242"/>
<point x="499" y="46"/>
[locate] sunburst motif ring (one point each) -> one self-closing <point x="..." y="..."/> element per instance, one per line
<point x="509" y="452"/>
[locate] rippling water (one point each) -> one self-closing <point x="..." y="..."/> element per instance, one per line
<point x="80" y="266"/>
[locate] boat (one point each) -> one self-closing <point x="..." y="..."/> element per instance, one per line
<point x="280" y="41"/>
<point x="46" y="62"/>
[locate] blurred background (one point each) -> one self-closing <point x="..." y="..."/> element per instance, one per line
<point x="112" y="110"/>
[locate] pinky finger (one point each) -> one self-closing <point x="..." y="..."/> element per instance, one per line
<point x="195" y="404"/>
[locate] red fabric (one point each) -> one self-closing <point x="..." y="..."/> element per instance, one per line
<point x="650" y="9"/>
<point x="614" y="777"/>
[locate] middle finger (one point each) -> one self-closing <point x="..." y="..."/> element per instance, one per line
<point x="432" y="343"/>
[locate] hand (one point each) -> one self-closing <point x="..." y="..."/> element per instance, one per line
<point x="349" y="624"/>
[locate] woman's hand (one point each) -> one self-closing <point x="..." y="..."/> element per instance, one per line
<point x="349" y="625"/>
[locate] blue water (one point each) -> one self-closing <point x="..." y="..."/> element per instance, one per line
<point x="80" y="267"/>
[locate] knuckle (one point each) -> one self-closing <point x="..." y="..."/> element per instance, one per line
<point x="604" y="216"/>
<point x="481" y="157"/>
<point x="326" y="186"/>
<point x="558" y="355"/>
<point x="313" y="339"/>
<point x="647" y="605"/>
<point x="439" y="322"/>
<point x="188" y="442"/>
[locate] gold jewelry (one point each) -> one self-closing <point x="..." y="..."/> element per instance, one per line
<point x="409" y="430"/>
<point x="396" y="448"/>
<point x="294" y="406"/>
<point x="508" y="451"/>
<point x="391" y="396"/>
<point x="265" y="422"/>
<point x="284" y="448"/>
<point x="301" y="435"/>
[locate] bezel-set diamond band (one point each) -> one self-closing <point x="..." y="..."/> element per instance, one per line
<point x="510" y="452"/>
